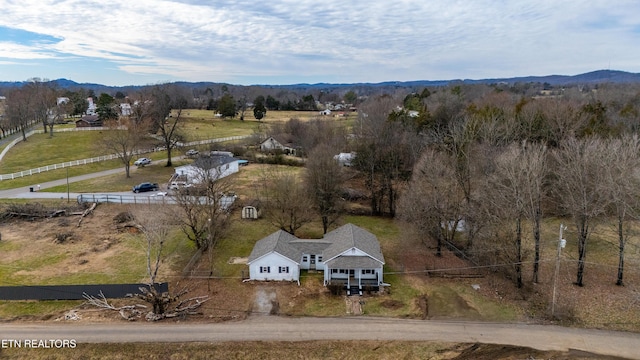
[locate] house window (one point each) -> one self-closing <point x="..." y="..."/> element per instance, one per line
<point x="319" y="258"/>
<point x="283" y="269"/>
<point x="343" y="271"/>
<point x="367" y="271"/>
<point x="334" y="271"/>
<point x="305" y="258"/>
<point x="265" y="269"/>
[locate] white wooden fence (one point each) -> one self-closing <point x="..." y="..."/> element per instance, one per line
<point x="95" y="159"/>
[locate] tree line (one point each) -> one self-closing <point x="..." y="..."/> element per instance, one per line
<point x="478" y="168"/>
<point x="487" y="165"/>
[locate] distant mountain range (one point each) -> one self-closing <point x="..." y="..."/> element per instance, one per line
<point x="594" y="77"/>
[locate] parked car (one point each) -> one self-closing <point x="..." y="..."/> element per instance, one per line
<point x="145" y="186"/>
<point x="175" y="185"/>
<point x="142" y="162"/>
<point x="192" y="152"/>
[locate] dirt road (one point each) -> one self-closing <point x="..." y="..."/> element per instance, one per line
<point x="273" y="328"/>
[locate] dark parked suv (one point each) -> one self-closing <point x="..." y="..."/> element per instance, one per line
<point x="145" y="186"/>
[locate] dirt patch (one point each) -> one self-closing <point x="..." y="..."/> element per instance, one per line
<point x="238" y="260"/>
<point x="392" y="304"/>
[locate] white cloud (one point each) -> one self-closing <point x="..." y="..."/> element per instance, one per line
<point x="376" y="40"/>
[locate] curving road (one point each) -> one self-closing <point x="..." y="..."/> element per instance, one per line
<point x="273" y="328"/>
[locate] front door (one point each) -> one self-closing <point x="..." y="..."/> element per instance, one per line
<point x="312" y="261"/>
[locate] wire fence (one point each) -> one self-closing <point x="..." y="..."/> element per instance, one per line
<point x="152" y="199"/>
<point x="156" y="198"/>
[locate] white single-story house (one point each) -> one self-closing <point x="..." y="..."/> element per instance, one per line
<point x="349" y="256"/>
<point x="212" y="167"/>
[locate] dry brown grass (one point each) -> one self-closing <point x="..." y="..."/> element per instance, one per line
<point x="30" y="256"/>
<point x="345" y="350"/>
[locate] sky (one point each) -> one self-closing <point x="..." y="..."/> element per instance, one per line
<point x="279" y="42"/>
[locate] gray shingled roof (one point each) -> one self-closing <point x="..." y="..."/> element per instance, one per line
<point x="349" y="236"/>
<point x="276" y="242"/>
<point x="311" y="246"/>
<point x="333" y="244"/>
<point x="353" y="262"/>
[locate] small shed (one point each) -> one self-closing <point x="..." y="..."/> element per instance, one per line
<point x="250" y="212"/>
<point x="251" y="209"/>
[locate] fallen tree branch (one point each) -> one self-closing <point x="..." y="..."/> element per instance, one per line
<point x="87" y="212"/>
<point x="128" y="312"/>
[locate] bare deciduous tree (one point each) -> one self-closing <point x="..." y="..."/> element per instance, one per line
<point x="385" y="153"/>
<point x="156" y="227"/>
<point x="43" y="98"/>
<point x="581" y="189"/>
<point x="324" y="179"/>
<point x="19" y="110"/>
<point x="513" y="193"/>
<point x="205" y="207"/>
<point x="623" y="182"/>
<point x="433" y="203"/>
<point x="168" y="103"/>
<point x="287" y="203"/>
<point x="123" y="139"/>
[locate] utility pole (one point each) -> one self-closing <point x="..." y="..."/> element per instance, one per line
<point x="68" y="185"/>
<point x="561" y="244"/>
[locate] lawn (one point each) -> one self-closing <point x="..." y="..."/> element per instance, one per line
<point x="203" y="124"/>
<point x="41" y="150"/>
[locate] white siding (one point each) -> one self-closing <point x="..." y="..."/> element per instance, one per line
<point x="274" y="266"/>
<point x="194" y="174"/>
<point x="306" y="264"/>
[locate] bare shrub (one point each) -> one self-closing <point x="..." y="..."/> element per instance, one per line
<point x="123" y="217"/>
<point x="62" y="237"/>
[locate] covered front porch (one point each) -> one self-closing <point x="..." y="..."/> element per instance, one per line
<point x="355" y="274"/>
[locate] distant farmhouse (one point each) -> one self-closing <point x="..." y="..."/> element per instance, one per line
<point x="277" y="143"/>
<point x="349" y="256"/>
<point x="89" y="121"/>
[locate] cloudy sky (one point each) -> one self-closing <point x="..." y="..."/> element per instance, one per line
<point x="138" y="42"/>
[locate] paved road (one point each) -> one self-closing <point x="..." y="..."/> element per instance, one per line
<point x="24" y="192"/>
<point x="274" y="328"/>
